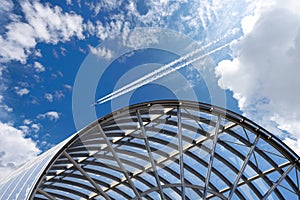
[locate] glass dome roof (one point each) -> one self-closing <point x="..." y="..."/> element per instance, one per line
<point x="162" y="150"/>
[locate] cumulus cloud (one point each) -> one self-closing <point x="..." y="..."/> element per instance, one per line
<point x="51" y="24"/>
<point x="14" y="45"/>
<point x="49" y="97"/>
<point x="51" y="115"/>
<point x="43" y="24"/>
<point x="263" y="75"/>
<point x="101" y="52"/>
<point x="57" y="95"/>
<point x="15" y="150"/>
<point x="21" y="91"/>
<point x="38" y="67"/>
<point x="35" y="127"/>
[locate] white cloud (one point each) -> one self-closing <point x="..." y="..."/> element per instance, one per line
<point x="105" y="5"/>
<point x="59" y="94"/>
<point x="4" y="109"/>
<point x="69" y="2"/>
<point x="293" y="144"/>
<point x="21" y="91"/>
<point x="16" y="33"/>
<point x="35" y="127"/>
<point x="15" y="150"/>
<point x="25" y="129"/>
<point x="38" y="53"/>
<point x="11" y="50"/>
<point x="264" y="76"/>
<point x="30" y="129"/>
<point x="68" y="87"/>
<point x="6" y="6"/>
<point x="101" y="52"/>
<point x="27" y="121"/>
<point x="89" y="27"/>
<point x="38" y="67"/>
<point x="43" y="24"/>
<point x="49" y="97"/>
<point x="157" y="11"/>
<point x="2" y="68"/>
<point x="52" y="115"/>
<point x="51" y="24"/>
<point x="63" y="51"/>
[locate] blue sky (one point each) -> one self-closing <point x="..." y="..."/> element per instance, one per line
<point x="58" y="57"/>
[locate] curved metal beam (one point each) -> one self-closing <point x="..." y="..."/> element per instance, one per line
<point x="129" y="122"/>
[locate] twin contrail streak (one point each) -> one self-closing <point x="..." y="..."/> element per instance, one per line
<point x="161" y="72"/>
<point x="153" y="73"/>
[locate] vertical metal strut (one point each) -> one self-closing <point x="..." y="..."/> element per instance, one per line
<point x="278" y="181"/>
<point x="212" y="154"/>
<point x="76" y="165"/>
<point x="49" y="196"/>
<point x="116" y="157"/>
<point x="180" y="153"/>
<point x="235" y="184"/>
<point x="150" y="154"/>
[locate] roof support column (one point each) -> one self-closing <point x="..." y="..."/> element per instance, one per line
<point x="49" y="196"/>
<point x="180" y="153"/>
<point x="116" y="157"/>
<point x="235" y="184"/>
<point x="77" y="166"/>
<point x="278" y="181"/>
<point x="147" y="145"/>
<point x="212" y="154"/>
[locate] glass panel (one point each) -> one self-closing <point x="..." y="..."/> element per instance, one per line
<point x="247" y="192"/>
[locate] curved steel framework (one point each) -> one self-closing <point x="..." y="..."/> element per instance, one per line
<point x="170" y="150"/>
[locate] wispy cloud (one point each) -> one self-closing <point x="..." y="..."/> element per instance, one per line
<point x="49" y="97"/>
<point x="6" y="6"/>
<point x="51" y="115"/>
<point x="68" y="87"/>
<point x="59" y="94"/>
<point x="21" y="91"/>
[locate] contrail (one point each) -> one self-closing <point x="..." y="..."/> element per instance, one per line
<point x="164" y="67"/>
<point x="142" y="81"/>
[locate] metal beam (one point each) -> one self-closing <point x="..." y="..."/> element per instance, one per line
<point x="147" y="145"/>
<point x="180" y="153"/>
<point x="84" y="173"/>
<point x="235" y="184"/>
<point x="278" y="181"/>
<point x="175" y="152"/>
<point x="116" y="157"/>
<point x="176" y="185"/>
<point x="212" y="154"/>
<point x="49" y="196"/>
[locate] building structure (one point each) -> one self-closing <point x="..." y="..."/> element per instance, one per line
<point x="162" y="150"/>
